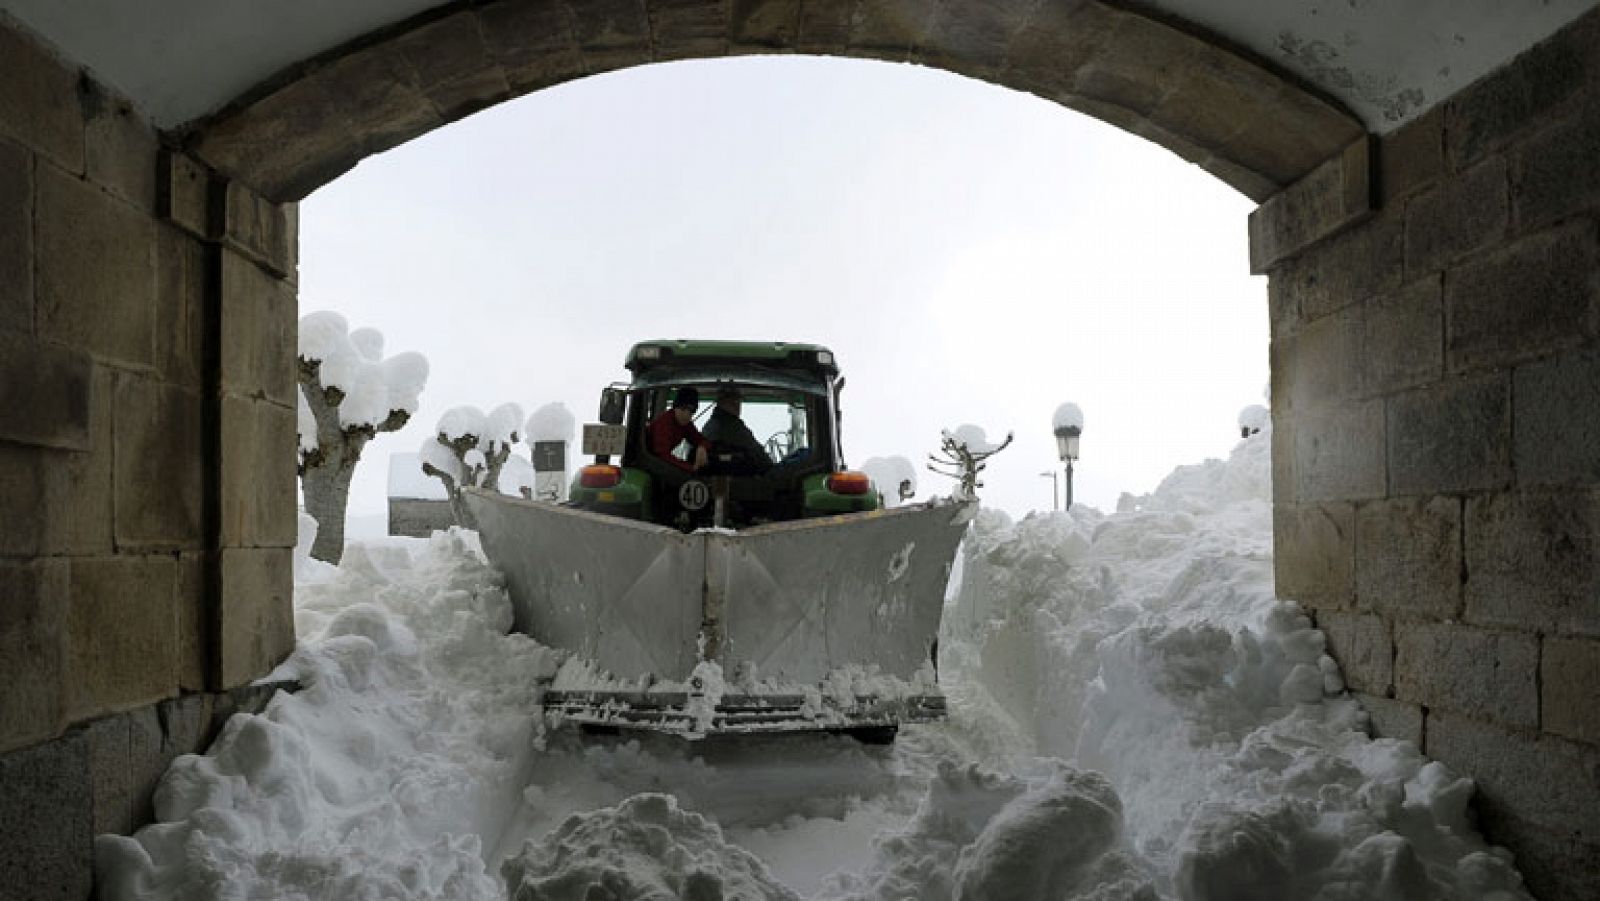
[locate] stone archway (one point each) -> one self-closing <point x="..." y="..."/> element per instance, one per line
<point x="1239" y="120"/>
<point x="1436" y="358"/>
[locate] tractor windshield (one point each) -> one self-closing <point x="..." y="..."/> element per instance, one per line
<point x="776" y="418"/>
<point x="767" y="449"/>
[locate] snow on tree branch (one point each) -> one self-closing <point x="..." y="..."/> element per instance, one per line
<point x="963" y="454"/>
<point x="470" y="449"/>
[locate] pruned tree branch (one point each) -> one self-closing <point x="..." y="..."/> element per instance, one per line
<point x="963" y="464"/>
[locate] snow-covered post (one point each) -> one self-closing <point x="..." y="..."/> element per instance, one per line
<point x="549" y="433"/>
<point x="966" y="452"/>
<point x="348" y="393"/>
<point x="1068" y="426"/>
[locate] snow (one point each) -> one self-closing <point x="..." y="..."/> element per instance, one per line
<point x="305" y="424"/>
<point x="366" y="398"/>
<point x="341" y="366"/>
<point x="1254" y="418"/>
<point x="515" y="475"/>
<point x="458" y="422"/>
<point x="502" y="426"/>
<point x="1133" y="715"/>
<point x="322" y="334"/>
<point x="887" y="474"/>
<point x="972" y="437"/>
<point x="647" y="847"/>
<point x="406" y="374"/>
<point x="1068" y="415"/>
<point x="369" y="343"/>
<point x="414" y="727"/>
<point x="373" y="387"/>
<point x="441" y="458"/>
<point x="407" y="480"/>
<point x="551" y="422"/>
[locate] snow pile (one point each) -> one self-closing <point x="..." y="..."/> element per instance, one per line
<point x="888" y="474"/>
<point x="1054" y="834"/>
<point x="1133" y="715"/>
<point x="646" y="848"/>
<point x="353" y="364"/>
<point x="551" y="422"/>
<point x="1149" y="646"/>
<point x="409" y="741"/>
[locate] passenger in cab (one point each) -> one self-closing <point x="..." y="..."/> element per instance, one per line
<point x="731" y="438"/>
<point x="675" y="426"/>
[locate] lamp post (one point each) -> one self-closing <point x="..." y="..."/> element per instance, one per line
<point x="1055" y="488"/>
<point x="1068" y="423"/>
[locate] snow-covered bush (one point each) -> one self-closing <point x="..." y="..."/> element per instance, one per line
<point x="349" y="392"/>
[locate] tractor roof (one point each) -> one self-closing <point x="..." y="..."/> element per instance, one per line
<point x="650" y="355"/>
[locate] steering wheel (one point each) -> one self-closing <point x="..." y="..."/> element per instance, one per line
<point x="780" y="444"/>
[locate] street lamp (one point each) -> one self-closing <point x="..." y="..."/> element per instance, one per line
<point x="1068" y="424"/>
<point x="1055" y="488"/>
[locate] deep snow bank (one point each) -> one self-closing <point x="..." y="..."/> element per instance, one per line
<point x="1134" y="716"/>
<point x="408" y="742"/>
<point x="1149" y="646"/>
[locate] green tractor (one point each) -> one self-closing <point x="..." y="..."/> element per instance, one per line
<point x="766" y="589"/>
<point x="789" y="395"/>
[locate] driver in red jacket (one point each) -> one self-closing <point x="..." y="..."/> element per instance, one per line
<point x="675" y="426"/>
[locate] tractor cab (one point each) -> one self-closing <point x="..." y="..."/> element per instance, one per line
<point x="783" y="463"/>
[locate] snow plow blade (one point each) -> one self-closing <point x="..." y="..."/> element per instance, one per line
<point x="816" y="624"/>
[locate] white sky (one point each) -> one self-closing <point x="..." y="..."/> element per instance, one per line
<point x="970" y="253"/>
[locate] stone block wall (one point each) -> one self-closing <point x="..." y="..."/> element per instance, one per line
<point x="147" y="318"/>
<point x="1436" y="399"/>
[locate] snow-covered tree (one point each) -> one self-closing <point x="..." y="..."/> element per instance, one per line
<point x="470" y="449"/>
<point x="349" y="392"/>
<point x="964" y="453"/>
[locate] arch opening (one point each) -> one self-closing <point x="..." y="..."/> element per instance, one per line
<point x="1248" y="125"/>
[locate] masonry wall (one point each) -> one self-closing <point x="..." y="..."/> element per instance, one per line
<point x="147" y="316"/>
<point x="1436" y="388"/>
